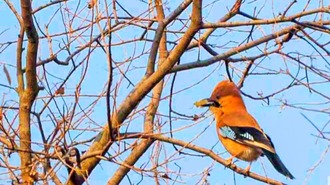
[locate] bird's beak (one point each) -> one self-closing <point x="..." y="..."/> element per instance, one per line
<point x="207" y="102"/>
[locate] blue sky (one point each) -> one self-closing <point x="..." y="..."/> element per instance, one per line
<point x="293" y="136"/>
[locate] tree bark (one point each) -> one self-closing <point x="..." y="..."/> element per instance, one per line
<point x="27" y="94"/>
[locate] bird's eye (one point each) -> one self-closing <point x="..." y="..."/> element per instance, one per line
<point x="218" y="97"/>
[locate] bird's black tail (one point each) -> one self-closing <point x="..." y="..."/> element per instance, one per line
<point x="277" y="163"/>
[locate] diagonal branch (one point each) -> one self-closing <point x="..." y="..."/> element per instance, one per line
<point x="102" y="143"/>
<point x="143" y="146"/>
<point x="234" y="51"/>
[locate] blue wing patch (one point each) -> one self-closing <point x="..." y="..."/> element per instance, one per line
<point x="227" y="132"/>
<point x="235" y="134"/>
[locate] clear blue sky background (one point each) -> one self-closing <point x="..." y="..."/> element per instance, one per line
<point x="290" y="132"/>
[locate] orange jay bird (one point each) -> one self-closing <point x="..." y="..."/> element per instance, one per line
<point x="238" y="131"/>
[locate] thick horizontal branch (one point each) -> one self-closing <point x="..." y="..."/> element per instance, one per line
<point x="207" y="152"/>
<point x="276" y="20"/>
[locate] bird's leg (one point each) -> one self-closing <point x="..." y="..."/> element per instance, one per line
<point x="247" y="169"/>
<point x="229" y="161"/>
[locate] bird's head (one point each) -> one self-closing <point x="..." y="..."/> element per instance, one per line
<point x="224" y="96"/>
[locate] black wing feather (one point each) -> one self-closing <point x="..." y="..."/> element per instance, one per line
<point x="246" y="133"/>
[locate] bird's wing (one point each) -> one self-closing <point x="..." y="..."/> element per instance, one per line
<point x="245" y="133"/>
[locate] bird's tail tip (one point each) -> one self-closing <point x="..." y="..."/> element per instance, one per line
<point x="288" y="175"/>
<point x="277" y="163"/>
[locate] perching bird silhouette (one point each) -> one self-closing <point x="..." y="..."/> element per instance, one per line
<point x="238" y="131"/>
